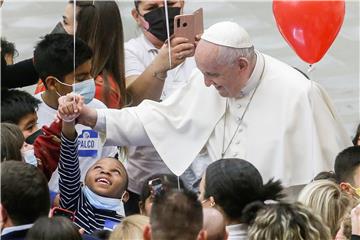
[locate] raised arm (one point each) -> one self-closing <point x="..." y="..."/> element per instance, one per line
<point x="149" y="83"/>
<point x="69" y="170"/>
<point x="118" y="127"/>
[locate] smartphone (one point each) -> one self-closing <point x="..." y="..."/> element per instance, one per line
<point x="189" y="25"/>
<point x="56" y="211"/>
<point x="156" y="187"/>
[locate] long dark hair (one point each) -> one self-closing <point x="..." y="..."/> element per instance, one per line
<point x="235" y="183"/>
<point x="99" y="24"/>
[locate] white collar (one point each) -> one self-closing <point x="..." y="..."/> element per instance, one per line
<point x="255" y="75"/>
<point x="16" y="228"/>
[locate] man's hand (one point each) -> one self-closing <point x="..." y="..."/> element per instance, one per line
<point x="180" y="50"/>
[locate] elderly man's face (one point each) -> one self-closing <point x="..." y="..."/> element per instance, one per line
<point x="227" y="79"/>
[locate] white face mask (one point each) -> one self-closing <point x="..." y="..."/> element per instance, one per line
<point x="85" y="88"/>
<point x="29" y="157"/>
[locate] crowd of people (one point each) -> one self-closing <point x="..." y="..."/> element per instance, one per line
<point x="161" y="138"/>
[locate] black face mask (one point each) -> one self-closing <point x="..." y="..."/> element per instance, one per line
<point x="58" y="29"/>
<point x="31" y="139"/>
<point x="157" y="21"/>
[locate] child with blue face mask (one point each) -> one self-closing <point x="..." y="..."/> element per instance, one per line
<point x="98" y="204"/>
<point x="64" y="65"/>
<point x="19" y="108"/>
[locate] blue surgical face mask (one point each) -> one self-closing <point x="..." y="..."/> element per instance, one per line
<point x="100" y="202"/>
<point x="29" y="157"/>
<point x="85" y="88"/>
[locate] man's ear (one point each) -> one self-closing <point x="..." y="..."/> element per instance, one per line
<point x="136" y="16"/>
<point x="50" y="82"/>
<point x="147" y="232"/>
<point x="243" y="64"/>
<point x="212" y="201"/>
<point x="202" y="235"/>
<point x="141" y="206"/>
<point x="126" y="196"/>
<point x="344" y="186"/>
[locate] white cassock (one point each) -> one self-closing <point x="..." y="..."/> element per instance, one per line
<point x="290" y="130"/>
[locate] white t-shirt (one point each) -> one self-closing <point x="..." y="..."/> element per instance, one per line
<point x="145" y="161"/>
<point x="91" y="147"/>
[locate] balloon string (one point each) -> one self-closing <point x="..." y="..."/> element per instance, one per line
<point x="167" y="30"/>
<point x="312" y="123"/>
<point x="178" y="182"/>
<point x="74" y="40"/>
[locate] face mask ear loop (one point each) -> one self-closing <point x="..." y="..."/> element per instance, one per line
<point x="167" y="30"/>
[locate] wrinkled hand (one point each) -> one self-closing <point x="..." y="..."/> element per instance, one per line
<point x="70" y="107"/>
<point x="181" y="48"/>
<point x="355" y="220"/>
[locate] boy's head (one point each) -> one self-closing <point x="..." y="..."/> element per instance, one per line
<point x="347" y="169"/>
<point x="108" y="178"/>
<point x="54" y="61"/>
<point x="179" y="211"/>
<point x="24" y="194"/>
<point x="19" y="107"/>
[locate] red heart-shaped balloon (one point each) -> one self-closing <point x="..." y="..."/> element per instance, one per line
<point x="309" y="27"/>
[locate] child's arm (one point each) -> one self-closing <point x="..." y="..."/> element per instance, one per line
<point x="69" y="170"/>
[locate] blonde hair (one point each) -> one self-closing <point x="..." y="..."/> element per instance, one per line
<point x="284" y="221"/>
<point x="130" y="228"/>
<point x="326" y="199"/>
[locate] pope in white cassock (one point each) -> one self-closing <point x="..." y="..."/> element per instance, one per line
<point x="240" y="103"/>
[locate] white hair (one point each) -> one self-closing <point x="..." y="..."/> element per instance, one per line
<point x="229" y="55"/>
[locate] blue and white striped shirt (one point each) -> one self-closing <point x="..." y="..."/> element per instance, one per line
<point x="71" y="194"/>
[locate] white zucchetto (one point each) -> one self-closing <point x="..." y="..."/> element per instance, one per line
<point x="229" y="34"/>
